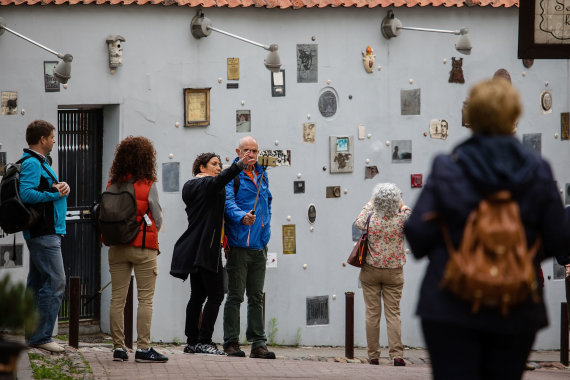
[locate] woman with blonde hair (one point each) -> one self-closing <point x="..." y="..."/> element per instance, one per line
<point x="483" y="344"/>
<point x="382" y="276"/>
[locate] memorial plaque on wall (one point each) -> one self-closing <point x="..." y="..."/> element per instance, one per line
<point x="289" y="240"/>
<point x="401" y="151"/>
<point x="307" y="63"/>
<point x="410" y="101"/>
<point x="341" y="154"/>
<point x="533" y="140"/>
<point x="328" y="102"/>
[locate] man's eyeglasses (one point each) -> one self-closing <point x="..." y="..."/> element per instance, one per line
<point x="254" y="151"/>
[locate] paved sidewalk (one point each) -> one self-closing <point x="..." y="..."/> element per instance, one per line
<point x="291" y="363"/>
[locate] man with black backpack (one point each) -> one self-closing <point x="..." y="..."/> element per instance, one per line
<point x="41" y="190"/>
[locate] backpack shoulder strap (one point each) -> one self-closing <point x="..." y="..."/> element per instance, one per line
<point x="236" y="184"/>
<point x="41" y="163"/>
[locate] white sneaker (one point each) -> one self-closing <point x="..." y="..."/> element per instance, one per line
<point x="51" y="346"/>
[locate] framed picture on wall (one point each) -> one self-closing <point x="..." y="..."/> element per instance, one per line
<point x="51" y="84"/>
<point x="196" y="107"/>
<point x="544" y="29"/>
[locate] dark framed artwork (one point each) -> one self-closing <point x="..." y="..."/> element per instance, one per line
<point x="171" y="177"/>
<point x="10" y="257"/>
<point x="51" y="84"/>
<point x="307" y="63"/>
<point x="544" y="29"/>
<point x="196" y="107"/>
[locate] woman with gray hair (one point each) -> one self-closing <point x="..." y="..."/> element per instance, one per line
<point x="382" y="275"/>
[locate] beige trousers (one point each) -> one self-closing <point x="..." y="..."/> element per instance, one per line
<point x="386" y="284"/>
<point x="122" y="260"/>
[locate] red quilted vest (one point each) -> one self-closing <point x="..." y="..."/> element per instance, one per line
<point x="142" y="188"/>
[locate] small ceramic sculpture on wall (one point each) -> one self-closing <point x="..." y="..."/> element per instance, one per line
<point x="341" y="154"/>
<point x="333" y="192"/>
<point x="368" y="59"/>
<point x="410" y="102"/>
<point x="456" y="74"/>
<point x="312" y="213"/>
<point x="565" y="126"/>
<point x="546" y="102"/>
<point x="370" y="172"/>
<point x="115" y="47"/>
<point x="307" y="63"/>
<point x="298" y="187"/>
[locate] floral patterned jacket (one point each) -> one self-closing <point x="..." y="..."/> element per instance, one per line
<point x="385" y="237"/>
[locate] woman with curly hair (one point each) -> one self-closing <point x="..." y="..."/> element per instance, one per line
<point x="135" y="165"/>
<point x="198" y="251"/>
<point x="382" y="276"/>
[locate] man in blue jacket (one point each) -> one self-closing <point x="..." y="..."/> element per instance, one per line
<point x="247" y="227"/>
<point x="40" y="189"/>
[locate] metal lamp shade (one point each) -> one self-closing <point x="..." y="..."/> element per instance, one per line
<point x="273" y="61"/>
<point x="463" y="44"/>
<point x="62" y="71"/>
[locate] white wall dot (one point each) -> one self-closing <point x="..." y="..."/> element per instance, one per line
<point x="219" y="80"/>
<point x="561" y="191"/>
<point x="171" y="156"/>
<point x="523" y="73"/>
<point x="65" y="86"/>
<point x="556" y="135"/>
<point x="346" y="191"/>
<point x="546" y="84"/>
<point x="23" y="111"/>
<point x="369" y="135"/>
<point x="411" y="81"/>
<point x="276" y="142"/>
<point x="379" y="68"/>
<point x="304" y="266"/>
<point x="344" y="263"/>
<point x="309" y="116"/>
<point x="334" y="296"/>
<point x="243" y="102"/>
<point x="328" y="81"/>
<point x="311" y="228"/>
<point x="444" y="61"/>
<point x="407" y="251"/>
<point x="387" y="143"/>
<point x="177" y="124"/>
<point x="299" y="175"/>
<point x="367" y="160"/>
<point x="289" y="218"/>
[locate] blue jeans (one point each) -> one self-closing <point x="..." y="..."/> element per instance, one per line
<point x="47" y="280"/>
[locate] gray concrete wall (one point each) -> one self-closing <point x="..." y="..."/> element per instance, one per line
<point x="144" y="97"/>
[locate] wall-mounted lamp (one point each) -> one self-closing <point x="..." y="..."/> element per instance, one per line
<point x="202" y="27"/>
<point x="391" y="27"/>
<point x="63" y="69"/>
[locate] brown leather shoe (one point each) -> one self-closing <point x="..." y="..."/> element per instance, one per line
<point x="232" y="349"/>
<point x="261" y="352"/>
<point x="399" y="362"/>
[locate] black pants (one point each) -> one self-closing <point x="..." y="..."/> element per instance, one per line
<point x="462" y="353"/>
<point x="204" y="284"/>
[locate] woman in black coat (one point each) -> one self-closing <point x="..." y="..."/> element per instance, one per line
<point x="198" y="251"/>
<point x="485" y="344"/>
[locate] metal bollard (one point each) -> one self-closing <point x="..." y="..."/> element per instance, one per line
<point x="349" y="326"/>
<point x="74" y="306"/>
<point x="128" y="317"/>
<point x="564" y="333"/>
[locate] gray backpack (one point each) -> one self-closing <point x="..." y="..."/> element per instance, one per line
<point x="117" y="214"/>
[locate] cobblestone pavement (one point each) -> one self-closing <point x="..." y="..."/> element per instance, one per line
<point x="291" y="363"/>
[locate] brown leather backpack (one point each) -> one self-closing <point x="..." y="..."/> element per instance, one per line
<point x="493" y="266"/>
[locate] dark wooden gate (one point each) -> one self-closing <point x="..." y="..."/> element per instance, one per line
<point x="80" y="140"/>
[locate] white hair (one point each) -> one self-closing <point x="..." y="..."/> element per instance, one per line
<point x="387" y="199"/>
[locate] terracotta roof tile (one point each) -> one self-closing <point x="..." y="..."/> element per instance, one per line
<point x="283" y="4"/>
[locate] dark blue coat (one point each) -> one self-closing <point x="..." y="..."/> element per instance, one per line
<point x="456" y="184"/>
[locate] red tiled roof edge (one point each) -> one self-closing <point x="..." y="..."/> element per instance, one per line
<point x="282" y="4"/>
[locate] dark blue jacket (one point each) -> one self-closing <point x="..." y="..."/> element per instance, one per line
<point x="456" y="184"/>
<point x="237" y="205"/>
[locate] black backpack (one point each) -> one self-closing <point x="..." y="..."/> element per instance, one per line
<point x="116" y="214"/>
<point x="15" y="215"/>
